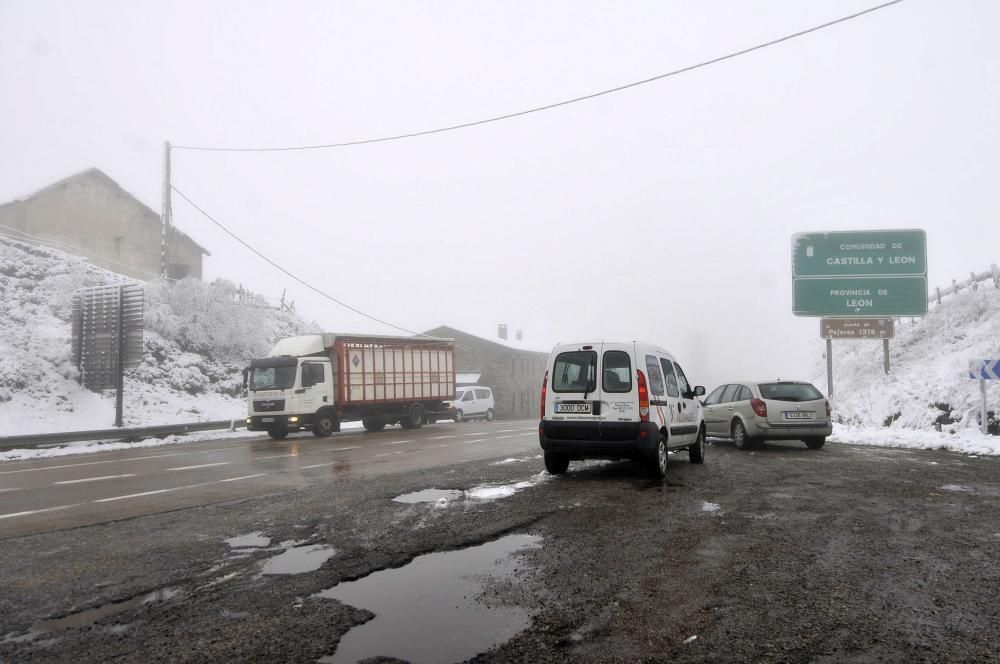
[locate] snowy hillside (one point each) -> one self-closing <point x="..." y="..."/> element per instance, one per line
<point x="928" y="386"/>
<point x="197" y="339"/>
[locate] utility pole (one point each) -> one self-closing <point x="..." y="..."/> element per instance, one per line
<point x="167" y="213"/>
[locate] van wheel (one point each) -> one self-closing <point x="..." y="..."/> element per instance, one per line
<point x="373" y="423"/>
<point x="696" y="453"/>
<point x="325" y="424"/>
<point x="278" y="434"/>
<point x="556" y="464"/>
<point x="657" y="466"/>
<point x="489" y="415"/>
<point x="740" y="437"/>
<point x="459" y="416"/>
<point x="814" y="443"/>
<point x="415" y="419"/>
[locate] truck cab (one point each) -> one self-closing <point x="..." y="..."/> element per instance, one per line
<point x="288" y="393"/>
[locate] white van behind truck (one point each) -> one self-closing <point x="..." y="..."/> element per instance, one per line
<point x="629" y="400"/>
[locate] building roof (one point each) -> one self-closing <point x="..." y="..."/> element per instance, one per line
<point x="508" y="344"/>
<point x="104" y="178"/>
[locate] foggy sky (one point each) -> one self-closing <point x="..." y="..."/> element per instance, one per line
<point x="661" y="213"/>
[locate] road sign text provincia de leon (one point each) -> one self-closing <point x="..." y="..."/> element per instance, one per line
<point x="860" y="273"/>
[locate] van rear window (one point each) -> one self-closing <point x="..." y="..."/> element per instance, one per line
<point x="789" y="391"/>
<point x="617" y="371"/>
<point x="575" y="371"/>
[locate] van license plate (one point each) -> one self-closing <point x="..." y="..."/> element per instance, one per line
<point x="267" y="419"/>
<point x="574" y="408"/>
<point x="797" y="415"/>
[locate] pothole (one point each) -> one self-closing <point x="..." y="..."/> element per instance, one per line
<point x="298" y="560"/>
<point x="427" y="610"/>
<point x="483" y="493"/>
<point x="89" y="617"/>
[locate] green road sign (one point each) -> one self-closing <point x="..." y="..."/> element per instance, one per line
<point x="858" y="297"/>
<point x="860" y="253"/>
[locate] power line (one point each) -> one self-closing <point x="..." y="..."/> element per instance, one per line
<point x="547" y="107"/>
<point x="296" y="278"/>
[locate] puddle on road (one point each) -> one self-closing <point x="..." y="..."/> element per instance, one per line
<point x="88" y="617"/>
<point x="427" y="611"/>
<point x="428" y="496"/>
<point x="254" y="540"/>
<point x="958" y="487"/>
<point x="299" y="559"/>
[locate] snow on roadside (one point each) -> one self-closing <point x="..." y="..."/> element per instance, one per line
<point x="111" y="446"/>
<point x="965" y="441"/>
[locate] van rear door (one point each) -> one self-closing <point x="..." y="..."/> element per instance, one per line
<point x="575" y="391"/>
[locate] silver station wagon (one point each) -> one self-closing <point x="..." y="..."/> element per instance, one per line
<point x="749" y="413"/>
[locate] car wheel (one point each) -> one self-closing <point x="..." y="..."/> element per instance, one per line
<point x="696" y="453"/>
<point x="324" y="425"/>
<point x="657" y="466"/>
<point x="740" y="437"/>
<point x="814" y="443"/>
<point x="373" y="423"/>
<point x="278" y="434"/>
<point x="556" y="464"/>
<point x="459" y="416"/>
<point x="489" y="415"/>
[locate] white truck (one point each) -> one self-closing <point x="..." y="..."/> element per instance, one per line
<point x="316" y="381"/>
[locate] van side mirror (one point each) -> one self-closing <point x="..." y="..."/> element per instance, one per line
<point x="699" y="391"/>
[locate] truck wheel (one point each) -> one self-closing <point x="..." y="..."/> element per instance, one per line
<point x="415" y="419"/>
<point x="556" y="464"/>
<point x="696" y="453"/>
<point x="489" y="415"/>
<point x="278" y="434"/>
<point x="656" y="467"/>
<point x="324" y="425"/>
<point x="459" y="416"/>
<point x="373" y="423"/>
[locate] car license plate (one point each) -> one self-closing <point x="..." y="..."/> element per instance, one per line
<point x="267" y="419"/>
<point x="574" y="408"/>
<point x="797" y="415"/>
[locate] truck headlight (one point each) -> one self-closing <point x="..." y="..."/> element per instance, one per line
<point x="293" y="418"/>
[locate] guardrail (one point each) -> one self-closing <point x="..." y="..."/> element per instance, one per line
<point x="136" y="433"/>
<point x="972" y="282"/>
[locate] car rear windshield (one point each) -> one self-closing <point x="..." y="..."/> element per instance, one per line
<point x="617" y="371"/>
<point x="789" y="391"/>
<point x="574" y="371"/>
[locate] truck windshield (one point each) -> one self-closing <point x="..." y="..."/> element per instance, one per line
<point x="272" y="378"/>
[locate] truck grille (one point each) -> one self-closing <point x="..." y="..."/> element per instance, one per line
<point x="268" y="405"/>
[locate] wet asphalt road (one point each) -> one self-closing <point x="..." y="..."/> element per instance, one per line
<point x="783" y="554"/>
<point x="64" y="492"/>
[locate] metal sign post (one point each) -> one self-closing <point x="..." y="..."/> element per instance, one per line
<point x="829" y="367"/>
<point x="984" y="370"/>
<point x="107" y="337"/>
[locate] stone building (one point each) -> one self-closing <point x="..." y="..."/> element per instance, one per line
<point x="90" y="215"/>
<point x="511" y="369"/>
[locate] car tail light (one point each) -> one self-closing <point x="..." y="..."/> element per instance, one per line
<point x="545" y="383"/>
<point x="643" y="398"/>
<point x="759" y="407"/>
<point x="828" y="413"/>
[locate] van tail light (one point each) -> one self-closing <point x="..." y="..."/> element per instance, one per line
<point x="759" y="407"/>
<point x="545" y="384"/>
<point x="828" y="413"/>
<point x="643" y="398"/>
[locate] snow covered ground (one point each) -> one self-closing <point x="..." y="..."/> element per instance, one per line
<point x="965" y="440"/>
<point x="928" y="388"/>
<point x="198" y="338"/>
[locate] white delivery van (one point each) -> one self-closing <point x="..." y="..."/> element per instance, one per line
<point x="472" y="402"/>
<point x="618" y="400"/>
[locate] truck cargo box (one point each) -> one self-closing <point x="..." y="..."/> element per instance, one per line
<point x="373" y="370"/>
